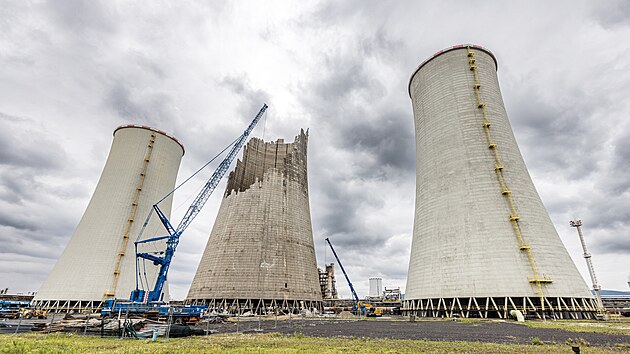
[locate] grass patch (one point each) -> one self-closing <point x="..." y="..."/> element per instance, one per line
<point x="260" y="343"/>
<point x="607" y="327"/>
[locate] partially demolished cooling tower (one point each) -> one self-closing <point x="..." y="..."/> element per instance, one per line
<point x="99" y="261"/>
<point x="483" y="243"/>
<point x="260" y="255"/>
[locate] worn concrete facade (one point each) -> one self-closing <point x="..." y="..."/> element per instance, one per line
<point x="483" y="240"/>
<point x="99" y="261"/>
<point x="260" y="253"/>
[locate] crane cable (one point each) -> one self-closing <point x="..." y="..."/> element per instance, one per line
<point x="146" y="222"/>
<point x="199" y="170"/>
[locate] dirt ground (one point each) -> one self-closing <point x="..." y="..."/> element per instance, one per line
<point x="478" y="331"/>
<point x="436" y="330"/>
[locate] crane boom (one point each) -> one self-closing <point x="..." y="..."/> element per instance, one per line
<point x="212" y="183"/>
<point x="172" y="239"/>
<point x="354" y="293"/>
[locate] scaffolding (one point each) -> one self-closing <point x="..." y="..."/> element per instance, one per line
<point x="327" y="282"/>
<point x="259" y="306"/>
<point x="500" y="307"/>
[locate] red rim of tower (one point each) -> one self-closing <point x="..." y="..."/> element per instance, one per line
<point x="460" y="46"/>
<point x="153" y="130"/>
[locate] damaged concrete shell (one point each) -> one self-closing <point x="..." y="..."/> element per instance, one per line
<point x="483" y="243"/>
<point x="99" y="261"/>
<point x="260" y="253"/>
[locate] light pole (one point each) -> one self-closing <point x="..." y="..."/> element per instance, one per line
<point x="587" y="256"/>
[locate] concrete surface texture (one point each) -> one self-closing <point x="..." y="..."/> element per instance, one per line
<point x="141" y="168"/>
<point x="464" y="244"/>
<point x="261" y="245"/>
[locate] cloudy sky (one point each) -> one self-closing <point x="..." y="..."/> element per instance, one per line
<point x="71" y="71"/>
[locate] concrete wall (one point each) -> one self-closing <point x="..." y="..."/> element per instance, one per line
<point x="85" y="270"/>
<point x="261" y="245"/>
<point x="463" y="243"/>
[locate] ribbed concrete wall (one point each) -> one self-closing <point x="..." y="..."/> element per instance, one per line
<point x="464" y="244"/>
<point x="261" y="245"/>
<point x="86" y="269"/>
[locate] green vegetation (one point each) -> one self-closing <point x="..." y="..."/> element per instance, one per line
<point x="606" y="327"/>
<point x="262" y="343"/>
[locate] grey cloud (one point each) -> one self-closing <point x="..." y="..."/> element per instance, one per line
<point x="381" y="44"/>
<point x="30" y="147"/>
<point x="617" y="179"/>
<point x="252" y="97"/>
<point x="25" y="246"/>
<point x="141" y="105"/>
<point x="15" y="221"/>
<point x="619" y="243"/>
<point x="336" y="12"/>
<point x="613" y="13"/>
<point x="343" y="79"/>
<point x="541" y="128"/>
<point x="148" y="64"/>
<point x="344" y="100"/>
<point x="79" y="16"/>
<point x="608" y="211"/>
<point x="344" y="217"/>
<point x="389" y="138"/>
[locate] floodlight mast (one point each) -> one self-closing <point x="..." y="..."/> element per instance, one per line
<point x="587" y="256"/>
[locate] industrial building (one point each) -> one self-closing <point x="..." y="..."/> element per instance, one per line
<point x="260" y="255"/>
<point x="99" y="261"/>
<point x="327" y="282"/>
<point x="483" y="243"/>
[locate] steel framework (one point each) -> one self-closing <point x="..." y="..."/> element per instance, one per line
<point x="500" y="307"/>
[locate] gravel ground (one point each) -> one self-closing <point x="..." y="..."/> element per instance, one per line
<point x="438" y="330"/>
<point x="481" y="331"/>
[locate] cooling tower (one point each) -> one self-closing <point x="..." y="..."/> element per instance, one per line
<point x="260" y="255"/>
<point x="483" y="243"/>
<point x="376" y="287"/>
<point x="99" y="261"/>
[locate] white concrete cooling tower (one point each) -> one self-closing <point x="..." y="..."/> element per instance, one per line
<point x="483" y="243"/>
<point x="99" y="261"/>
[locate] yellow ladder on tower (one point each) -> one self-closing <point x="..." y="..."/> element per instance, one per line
<point x="514" y="218"/>
<point x="132" y="215"/>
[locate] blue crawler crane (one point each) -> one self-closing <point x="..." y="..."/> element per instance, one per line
<point x="359" y="307"/>
<point x="150" y="303"/>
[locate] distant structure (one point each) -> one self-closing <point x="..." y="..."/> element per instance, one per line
<point x="376" y="287"/>
<point x="99" y="261"/>
<point x="260" y="255"/>
<point x="327" y="282"/>
<point x="483" y="243"/>
<point x="392" y="295"/>
<point x="616" y="302"/>
<point x="589" y="263"/>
